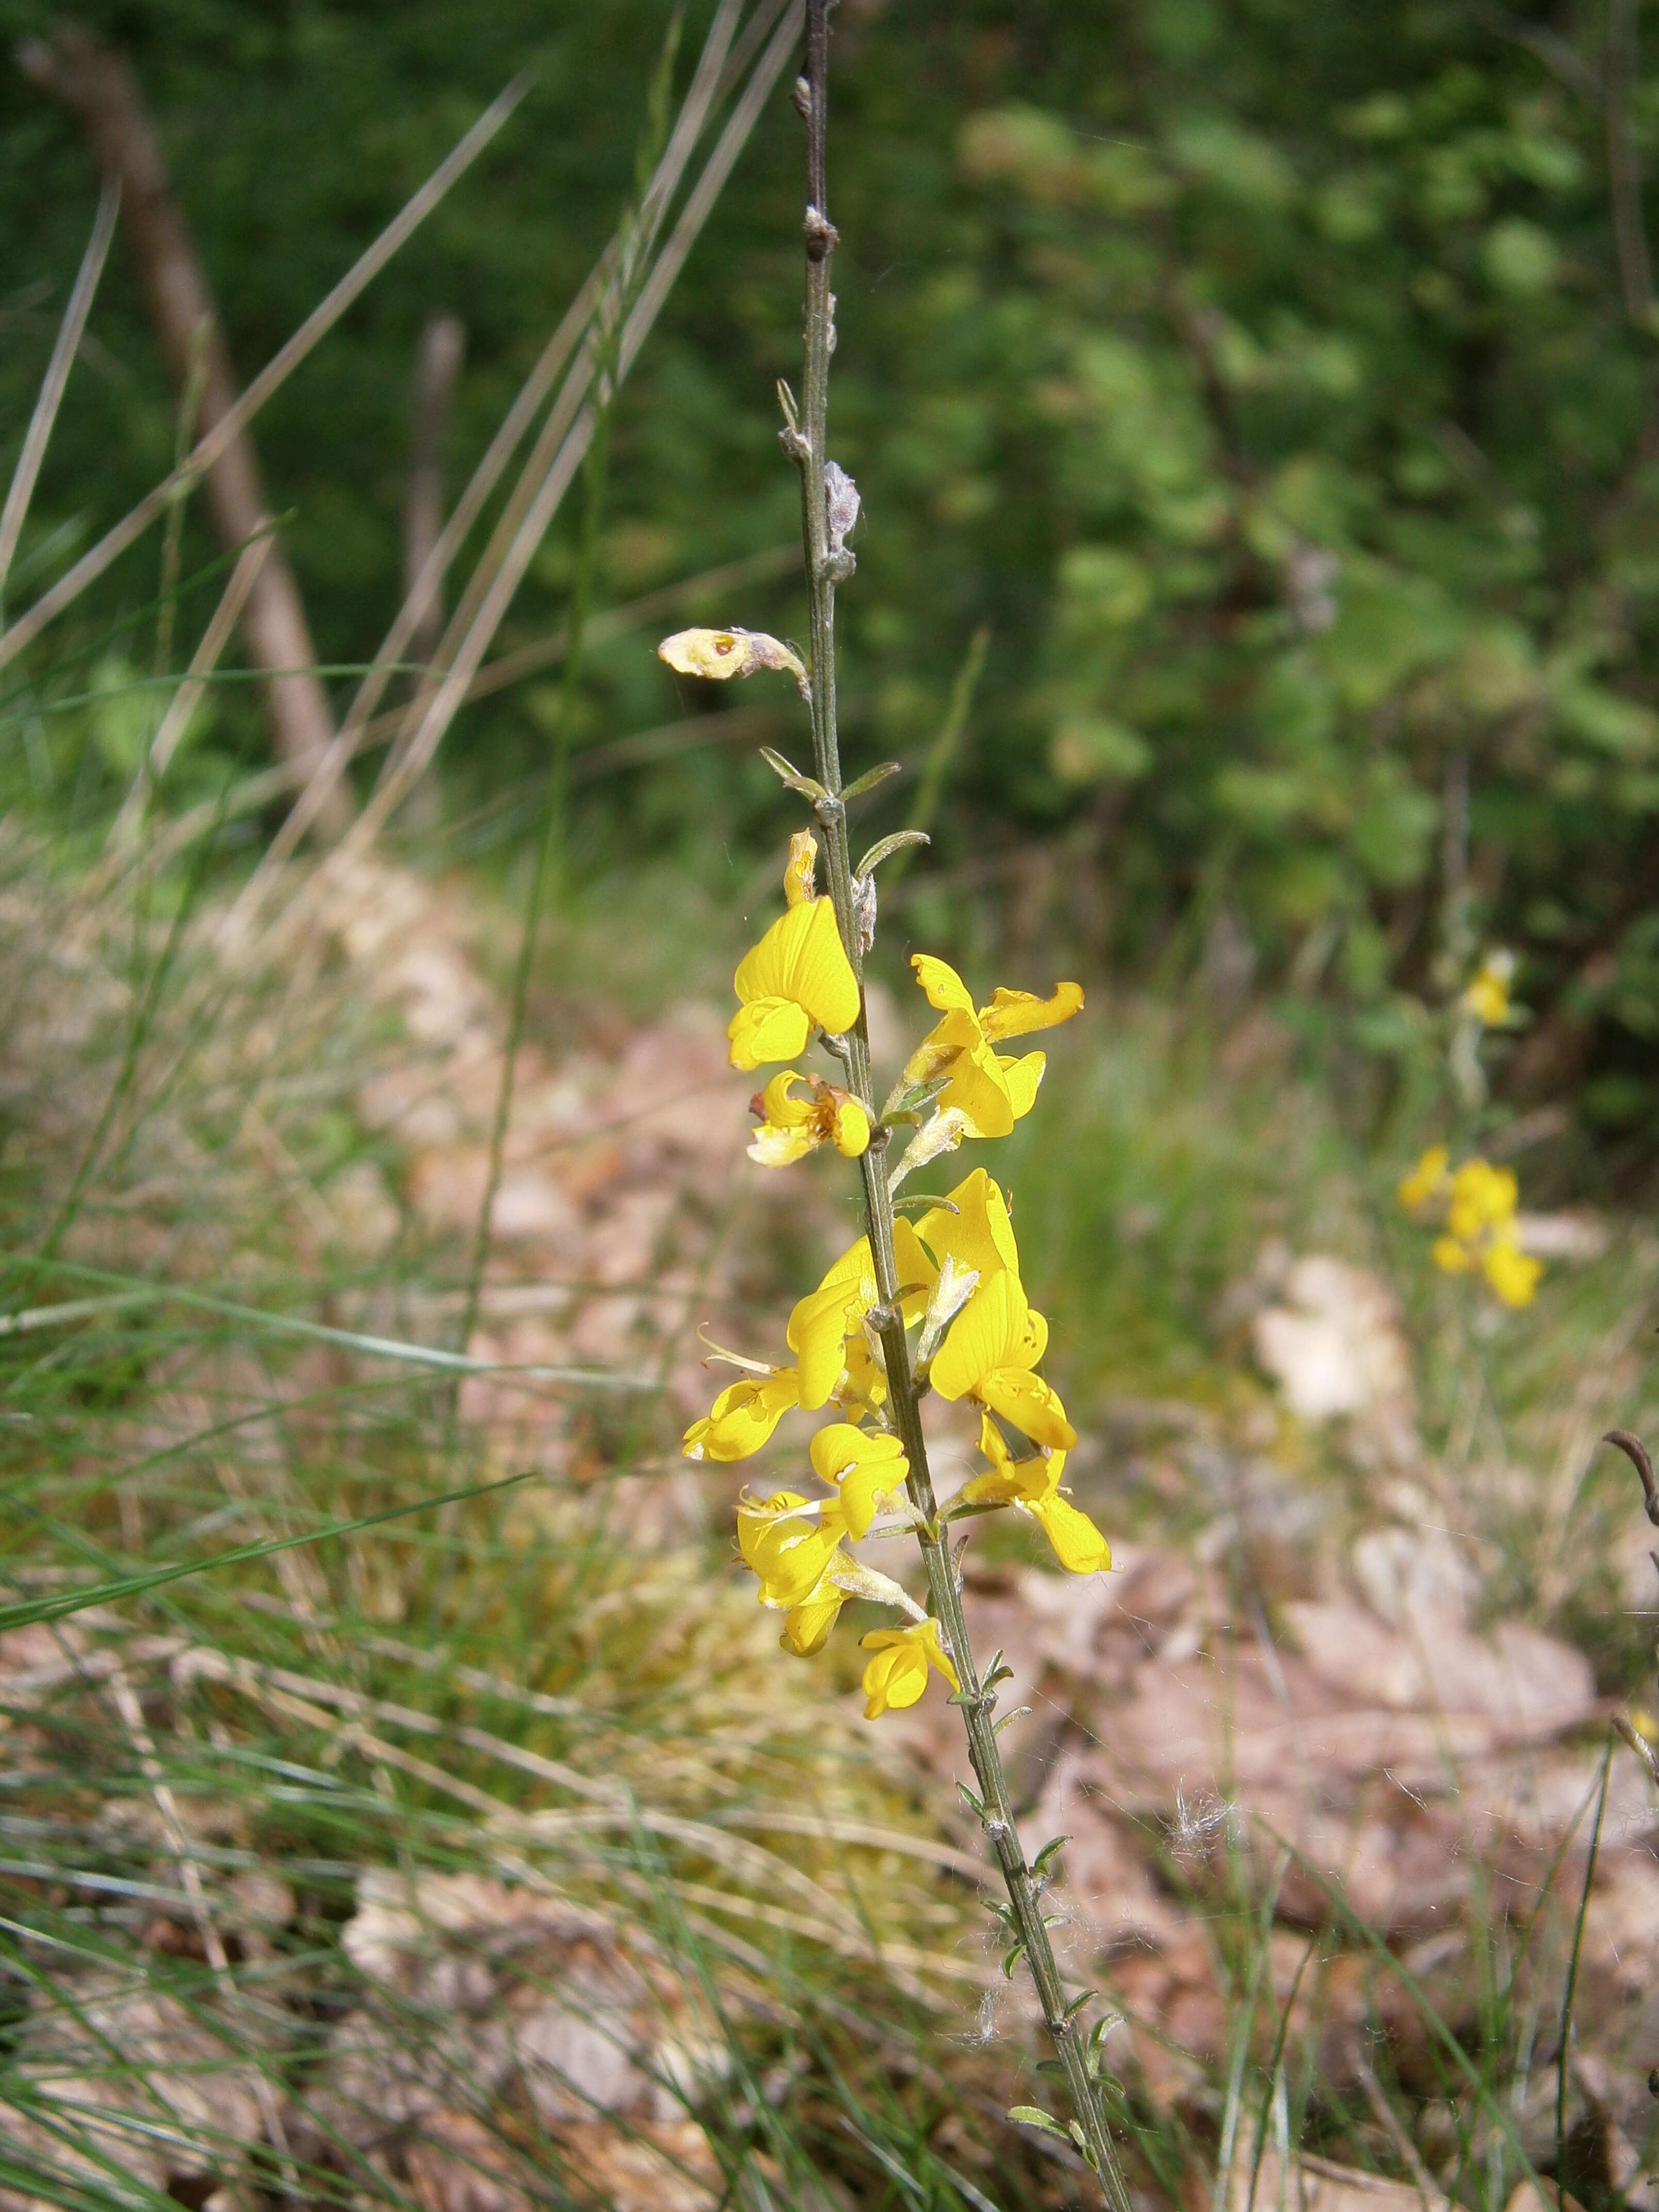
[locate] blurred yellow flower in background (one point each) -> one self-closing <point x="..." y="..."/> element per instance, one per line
<point x="1481" y="1202"/>
<point x="1487" y="996"/>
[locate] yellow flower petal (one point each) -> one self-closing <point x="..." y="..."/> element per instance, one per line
<point x="817" y="1333"/>
<point x="767" y="1029"/>
<point x="778" y="1106"/>
<point x="786" y="1547"/>
<point x="807" y="1626"/>
<point x="1032" y="1405"/>
<point x="1513" y="1274"/>
<point x="1021" y="1079"/>
<point x="801" y="960"/>
<point x="1454" y="1257"/>
<point x="743" y="1416"/>
<point x="1079" y="1545"/>
<point x="983" y="1336"/>
<point x="852" y="1129"/>
<point x="1425" y="1179"/>
<point x="979" y="1235"/>
<point x="979" y="1080"/>
<point x="1016" y="1013"/>
<point x="1482" y="1196"/>
<point x="945" y="988"/>
<point x="864" y="1464"/>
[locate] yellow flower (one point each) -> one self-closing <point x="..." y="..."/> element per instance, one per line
<point x="1482" y="1197"/>
<point x="897" y="1675"/>
<point x="990" y="1089"/>
<point x="865" y="1466"/>
<point x="826" y="1318"/>
<point x="792" y="1127"/>
<point x="1427" y="1179"/>
<point x="788" y="1542"/>
<point x="1488" y="997"/>
<point x="1454" y="1257"/>
<point x="1481" y="1200"/>
<point x="993" y="1344"/>
<point x="743" y="1416"/>
<point x="1512" y="1273"/>
<point x="797" y="977"/>
<point x="1033" y="1486"/>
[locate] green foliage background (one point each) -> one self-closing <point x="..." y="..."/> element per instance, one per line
<point x="1263" y="372"/>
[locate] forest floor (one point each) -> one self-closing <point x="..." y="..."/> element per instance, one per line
<point x="1348" y="1839"/>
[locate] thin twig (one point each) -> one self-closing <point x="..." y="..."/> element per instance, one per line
<point x="131" y="1713"/>
<point x="1630" y="236"/>
<point x="1405" y="2150"/>
<point x="1570" y="1990"/>
<point x="1637" y="1452"/>
<point x="70" y="332"/>
<point x="187" y="698"/>
<point x="1546" y="46"/>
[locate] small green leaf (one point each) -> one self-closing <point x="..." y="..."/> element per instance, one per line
<point x="1033" y="2116"/>
<point x="871" y="778"/>
<point x="975" y="1805"/>
<point x="889" y="846"/>
<point x="1077" y="2137"/>
<point x="907" y="1099"/>
<point x="1019" y="1713"/>
<point x="1097" y="2035"/>
<point x="1083" y="1997"/>
<point x="1046" y="1857"/>
<point x="790" y="776"/>
<point x="1011" y="1958"/>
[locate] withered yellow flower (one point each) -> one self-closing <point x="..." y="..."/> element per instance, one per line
<point x="865" y="1466"/>
<point x="791" y="1128"/>
<point x="897" y="1675"/>
<point x="720" y="654"/>
<point x="988" y="1355"/>
<point x="991" y="1089"/>
<point x="743" y="1416"/>
<point x="1032" y="1485"/>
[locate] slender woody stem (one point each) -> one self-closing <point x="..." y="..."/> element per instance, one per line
<point x="805" y="443"/>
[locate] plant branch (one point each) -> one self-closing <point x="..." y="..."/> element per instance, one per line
<point x="804" y="440"/>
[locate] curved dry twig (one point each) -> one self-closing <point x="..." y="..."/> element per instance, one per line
<point x="1639" y="1457"/>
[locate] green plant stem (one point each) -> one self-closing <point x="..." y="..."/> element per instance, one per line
<point x="807" y="445"/>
